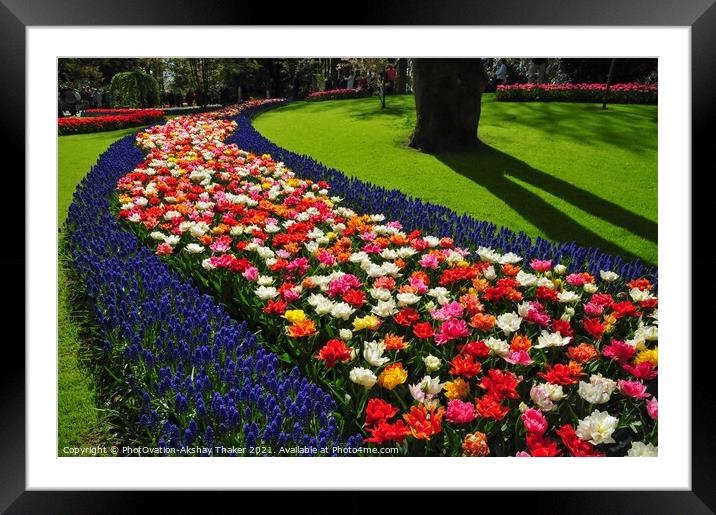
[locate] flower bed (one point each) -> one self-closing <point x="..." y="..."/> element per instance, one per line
<point x="137" y="118"/>
<point x="433" y="345"/>
<point x="337" y="94"/>
<point x="188" y="375"/>
<point x="630" y="93"/>
<point x="113" y="112"/>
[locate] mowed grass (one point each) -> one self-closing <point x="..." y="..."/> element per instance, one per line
<point x="75" y="155"/>
<point x="78" y="421"/>
<point x="563" y="171"/>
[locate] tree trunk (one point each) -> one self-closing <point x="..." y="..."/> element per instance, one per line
<point x="609" y="82"/>
<point x="204" y="83"/>
<point x="273" y="84"/>
<point x="447" y="103"/>
<point x="333" y="73"/>
<point x="382" y="90"/>
<point x="400" y="83"/>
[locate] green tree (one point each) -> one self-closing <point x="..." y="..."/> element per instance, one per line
<point x="203" y="75"/>
<point x="134" y="89"/>
<point x="155" y="67"/>
<point x="300" y="75"/>
<point x="111" y="66"/>
<point x="241" y="73"/>
<point x="271" y="79"/>
<point x="373" y="68"/>
<point x="597" y="69"/>
<point x="78" y="74"/>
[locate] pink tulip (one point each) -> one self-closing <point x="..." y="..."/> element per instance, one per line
<point x="518" y="357"/>
<point x="540" y="265"/>
<point x="534" y="421"/>
<point x="460" y="412"/>
<point x="652" y="408"/>
<point x="635" y="389"/>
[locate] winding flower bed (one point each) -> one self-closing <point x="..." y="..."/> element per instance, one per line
<point x="188" y="375"/>
<point x="337" y="94"/>
<point x="629" y="93"/>
<point x="440" y="345"/>
<point x="122" y="120"/>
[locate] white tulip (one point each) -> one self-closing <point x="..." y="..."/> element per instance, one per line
<point x="547" y="339"/>
<point x="363" y="377"/>
<point x="373" y="353"/>
<point x="509" y="322"/>
<point x="597" y="428"/>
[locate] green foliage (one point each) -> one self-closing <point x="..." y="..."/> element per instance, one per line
<point x="241" y="72"/>
<point x="301" y="76"/>
<point x="134" y="89"/>
<point x="372" y="68"/>
<point x="201" y="75"/>
<point x="78" y="74"/>
<point x="596" y="70"/>
<point x="83" y="72"/>
<point x="579" y="70"/>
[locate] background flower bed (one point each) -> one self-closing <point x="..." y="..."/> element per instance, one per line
<point x="501" y="385"/>
<point x="179" y="370"/>
<point x="631" y="93"/>
<point x="114" y="112"/>
<point x="137" y="118"/>
<point x="337" y="94"/>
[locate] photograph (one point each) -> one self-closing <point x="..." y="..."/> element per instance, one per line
<point x="358" y="257"/>
<point x="264" y="255"/>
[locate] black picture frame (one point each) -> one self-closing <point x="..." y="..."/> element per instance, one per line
<point x="16" y="15"/>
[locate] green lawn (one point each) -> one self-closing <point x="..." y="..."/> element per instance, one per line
<point x="563" y="171"/>
<point x="75" y="155"/>
<point x="78" y="420"/>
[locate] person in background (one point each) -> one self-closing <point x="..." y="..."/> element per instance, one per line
<point x="363" y="82"/>
<point x="350" y="81"/>
<point x="67" y="100"/>
<point x="391" y="74"/>
<point x="536" y="70"/>
<point x="78" y="103"/>
<point x="501" y="75"/>
<point x="97" y="98"/>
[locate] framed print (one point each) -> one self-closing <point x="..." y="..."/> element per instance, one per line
<point x="377" y="267"/>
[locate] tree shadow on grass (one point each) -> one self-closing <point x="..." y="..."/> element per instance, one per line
<point x="365" y="108"/>
<point x="393" y="108"/>
<point x="616" y="126"/>
<point x="492" y="169"/>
